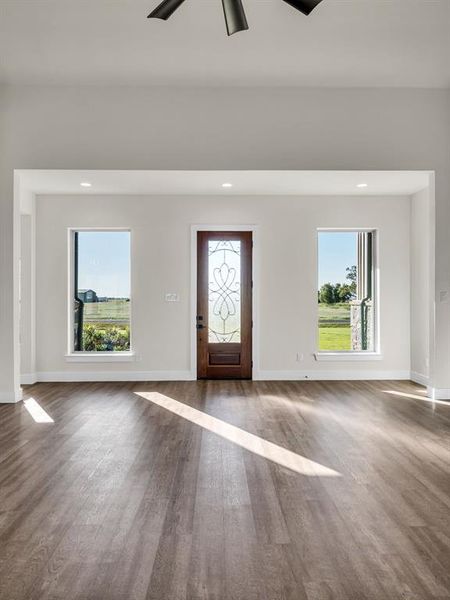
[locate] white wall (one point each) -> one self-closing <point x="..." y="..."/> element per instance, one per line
<point x="161" y="128"/>
<point x="286" y="248"/>
<point x="420" y="286"/>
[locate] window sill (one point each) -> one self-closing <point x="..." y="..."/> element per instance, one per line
<point x="348" y="356"/>
<point x="101" y="357"/>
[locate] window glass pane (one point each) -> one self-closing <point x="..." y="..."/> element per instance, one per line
<point x="224" y="291"/>
<point x="345" y="291"/>
<point x="102" y="284"/>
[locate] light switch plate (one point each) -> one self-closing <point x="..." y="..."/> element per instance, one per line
<point x="172" y="297"/>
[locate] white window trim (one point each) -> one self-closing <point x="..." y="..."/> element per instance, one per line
<point x="104" y="357"/>
<point x="347" y="355"/>
<point x="93" y="355"/>
<point x="352" y="355"/>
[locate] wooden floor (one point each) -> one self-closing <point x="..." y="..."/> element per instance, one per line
<point x="341" y="493"/>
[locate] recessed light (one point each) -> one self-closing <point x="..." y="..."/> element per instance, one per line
<point x="362" y="185"/>
<point x="86" y="184"/>
<point x="227" y="185"/>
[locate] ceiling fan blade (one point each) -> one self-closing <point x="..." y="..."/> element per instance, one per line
<point x="304" y="6"/>
<point x="234" y="16"/>
<point x="165" y="9"/>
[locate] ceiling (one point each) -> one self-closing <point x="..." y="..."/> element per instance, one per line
<point x="210" y="182"/>
<point x="343" y="43"/>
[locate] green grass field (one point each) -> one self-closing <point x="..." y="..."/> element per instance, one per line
<point x="114" y="311"/>
<point x="334" y="313"/>
<point x="334" y="327"/>
<point x="334" y="338"/>
<point x="106" y="326"/>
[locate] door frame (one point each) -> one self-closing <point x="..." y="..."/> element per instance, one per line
<point x="255" y="291"/>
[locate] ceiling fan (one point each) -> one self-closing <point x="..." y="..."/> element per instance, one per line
<point x="233" y="10"/>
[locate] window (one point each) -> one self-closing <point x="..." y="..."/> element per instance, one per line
<point x="101" y="291"/>
<point x="346" y="296"/>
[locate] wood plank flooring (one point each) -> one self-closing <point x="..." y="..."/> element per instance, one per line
<point x="125" y="498"/>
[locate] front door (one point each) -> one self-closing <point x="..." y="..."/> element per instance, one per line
<point x="224" y="305"/>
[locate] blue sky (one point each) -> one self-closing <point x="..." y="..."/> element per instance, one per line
<point x="104" y="262"/>
<point x="337" y="250"/>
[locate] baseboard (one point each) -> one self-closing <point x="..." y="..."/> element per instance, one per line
<point x="438" y="393"/>
<point x="73" y="376"/>
<point x="316" y="375"/>
<point x="420" y="378"/>
<point x="10" y="397"/>
<point x="313" y="375"/>
<point x="28" y="378"/>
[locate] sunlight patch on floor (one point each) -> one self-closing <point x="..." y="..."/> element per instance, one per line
<point x="416" y="397"/>
<point x="249" y="441"/>
<point x="37" y="412"/>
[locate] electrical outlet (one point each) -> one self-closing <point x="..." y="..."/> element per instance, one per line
<point x="172" y="297"/>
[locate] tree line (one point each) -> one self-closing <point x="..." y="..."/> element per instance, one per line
<point x="331" y="293"/>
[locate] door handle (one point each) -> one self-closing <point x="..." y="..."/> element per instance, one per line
<point x="200" y="326"/>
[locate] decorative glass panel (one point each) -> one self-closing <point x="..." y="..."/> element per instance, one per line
<point x="224" y="291"/>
